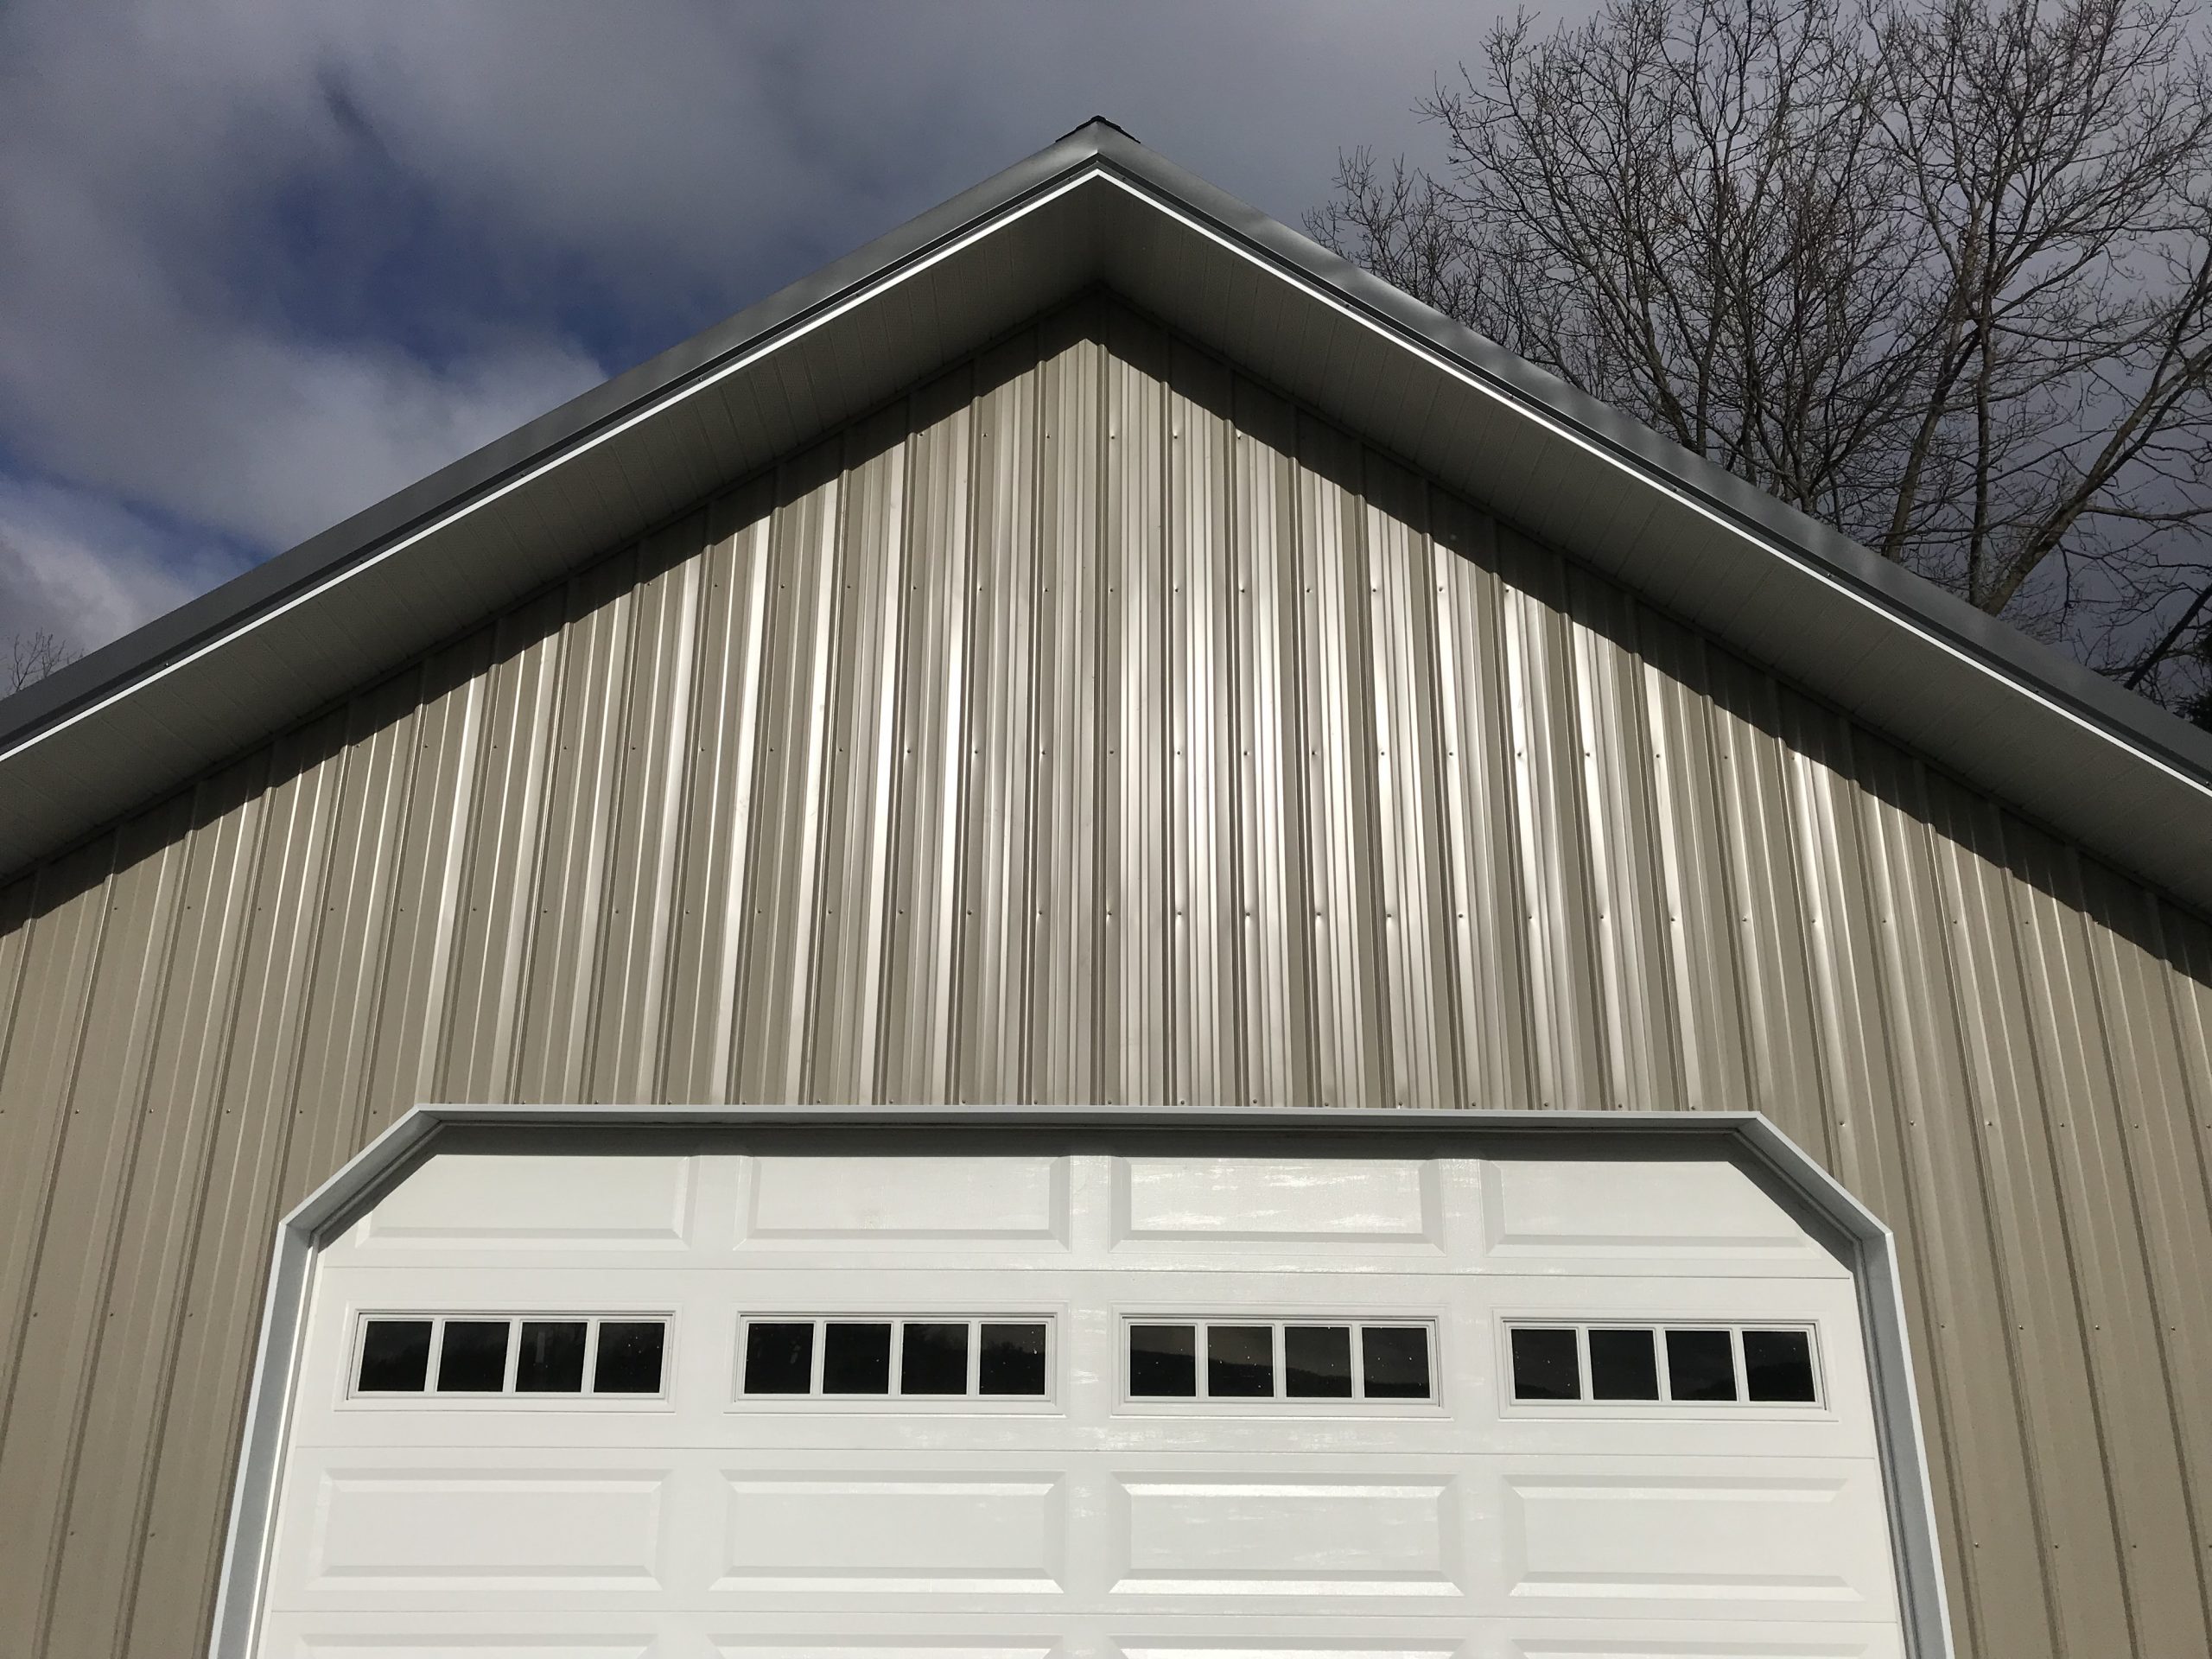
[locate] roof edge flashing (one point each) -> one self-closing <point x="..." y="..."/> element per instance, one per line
<point x="138" y="658"/>
<point x="2019" y="662"/>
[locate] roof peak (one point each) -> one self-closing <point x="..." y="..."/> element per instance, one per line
<point x="1081" y="128"/>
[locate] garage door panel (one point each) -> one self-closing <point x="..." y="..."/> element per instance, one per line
<point x="1321" y="1201"/>
<point x="379" y="1530"/>
<point x="864" y="1203"/>
<point x="858" y="1532"/>
<point x="1640" y="1217"/>
<point x="1246" y="1536"/>
<point x="535" y="1201"/>
<point x="1673" y="1537"/>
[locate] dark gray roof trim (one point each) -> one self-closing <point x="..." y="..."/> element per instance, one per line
<point x="261" y="652"/>
<point x="1748" y="1139"/>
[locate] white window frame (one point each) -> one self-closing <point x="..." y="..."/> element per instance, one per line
<point x="1281" y="1402"/>
<point x="1665" y="1406"/>
<point x="972" y="1402"/>
<point x="427" y="1397"/>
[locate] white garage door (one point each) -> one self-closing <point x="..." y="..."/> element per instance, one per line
<point x="754" y="1394"/>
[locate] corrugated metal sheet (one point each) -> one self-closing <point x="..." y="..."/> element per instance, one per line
<point x="1094" y="725"/>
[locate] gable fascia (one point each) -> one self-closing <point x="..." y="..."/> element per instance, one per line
<point x="260" y="654"/>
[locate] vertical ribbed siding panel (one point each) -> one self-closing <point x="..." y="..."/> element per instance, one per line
<point x="1095" y="725"/>
<point x="1275" y="902"/>
<point x="702" y="1026"/>
<point x="1771" y="943"/>
<point x="2164" y="1071"/>
<point x="1832" y="878"/>
<point x="106" y="1527"/>
<point x="638" y="671"/>
<point x="1140" y="750"/>
<point x="448" y="802"/>
<point x="504" y="874"/>
<point x="991" y="963"/>
<point x="63" y="912"/>
<point x="1641" y="1062"/>
<point x="252" y="1062"/>
<point x="774" y="991"/>
<point x="1564" y="1016"/>
<point x="1963" y="1327"/>
<point x="1403" y="574"/>
<point x="1337" y="718"/>
<point x="1703" y="970"/>
<point x="2071" y="1503"/>
<point x="1066" y="958"/>
<point x="567" y="884"/>
<point x="1489" y="964"/>
<point x="55" y="1366"/>
<point x="219" y="1258"/>
<point x="845" y="1022"/>
<point x="931" y="758"/>
<point x="1206" y="1056"/>
<point x="664" y="704"/>
<point x="2140" y="1453"/>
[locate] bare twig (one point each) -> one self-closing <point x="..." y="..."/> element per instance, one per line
<point x="1937" y="271"/>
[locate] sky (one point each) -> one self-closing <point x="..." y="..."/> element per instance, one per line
<point x="263" y="265"/>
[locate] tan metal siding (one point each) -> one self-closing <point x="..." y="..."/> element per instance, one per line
<point x="1097" y="726"/>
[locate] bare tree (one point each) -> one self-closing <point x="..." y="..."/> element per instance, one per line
<point x="33" y="657"/>
<point x="1938" y="272"/>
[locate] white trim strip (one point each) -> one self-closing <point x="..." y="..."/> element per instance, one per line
<point x="869" y="290"/>
<point x="1626" y="465"/>
<point x="1102" y="169"/>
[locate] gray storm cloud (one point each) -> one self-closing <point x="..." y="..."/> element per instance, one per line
<point x="659" y="165"/>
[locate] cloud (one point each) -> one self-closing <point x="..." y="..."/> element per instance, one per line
<point x="74" y="564"/>
<point x="260" y="266"/>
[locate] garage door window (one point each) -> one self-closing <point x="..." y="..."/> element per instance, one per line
<point x="457" y="1356"/>
<point x="1673" y="1364"/>
<point x="1240" y="1359"/>
<point x="907" y="1359"/>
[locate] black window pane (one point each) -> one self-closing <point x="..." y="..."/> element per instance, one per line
<point x="1396" y="1362"/>
<point x="474" y="1357"/>
<point x="395" y="1356"/>
<point x="552" y="1358"/>
<point x="1624" y="1365"/>
<point x="1011" y="1360"/>
<point x="1241" y="1362"/>
<point x="1701" y="1365"/>
<point x="856" y="1358"/>
<point x="779" y="1358"/>
<point x="1779" y="1365"/>
<point x="629" y="1356"/>
<point x="1317" y="1362"/>
<point x="1546" y="1365"/>
<point x="1163" y="1361"/>
<point x="933" y="1359"/>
